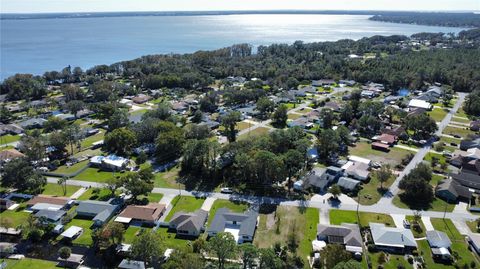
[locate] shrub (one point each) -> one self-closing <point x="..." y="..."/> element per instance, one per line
<point x="410" y="259"/>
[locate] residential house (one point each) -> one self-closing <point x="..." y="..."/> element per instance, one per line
<point x="248" y="111"/>
<point x="73" y="261"/>
<point x="452" y="191"/>
<point x="10" y="154"/>
<point x="439" y="244"/>
<point x="65" y="116"/>
<point x="110" y="162"/>
<point x="434" y="91"/>
<point x="46" y="202"/>
<point x="241" y="225"/>
<point x="32" y="123"/>
<point x="358" y="170"/>
<point x="51" y="216"/>
<point x="12" y="129"/>
<point x="368" y="94"/>
<point x="84" y="113"/>
<point x="418" y="103"/>
<point x="309" y="89"/>
<point x="333" y="106"/>
<point x="475" y="125"/>
<point x="190" y="224"/>
<point x="469" y="180"/>
<point x="140" y="215"/>
<point x="131" y="264"/>
<point x="395" y="130"/>
<point x="396" y="240"/>
<point x="179" y="106"/>
<point x="301" y="122"/>
<point x="385" y="138"/>
<point x="348" y="184"/>
<point x="321" y="178"/>
<point x="470" y="143"/>
<point x="323" y="82"/>
<point x="347" y="82"/>
<point x="5" y="203"/>
<point x="100" y="212"/>
<point x="345" y="234"/>
<point x="141" y="98"/>
<point x="474" y="241"/>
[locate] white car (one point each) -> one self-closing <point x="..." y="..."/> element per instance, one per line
<point x="226" y="190"/>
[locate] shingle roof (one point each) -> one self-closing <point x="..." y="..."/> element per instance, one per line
<point x="53" y="215"/>
<point x="348" y="183"/>
<point x="247" y="221"/>
<point x="438" y="239"/>
<point x="392" y="237"/>
<point x="45" y="199"/>
<point x="150" y="212"/>
<point x="102" y="210"/>
<point x="350" y="233"/>
<point x="189" y="221"/>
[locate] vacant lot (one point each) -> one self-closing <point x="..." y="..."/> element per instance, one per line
<point x="371" y="191"/>
<point x="5" y="139"/>
<point x="185" y="204"/>
<point x="255" y="132"/>
<point x="243" y="125"/>
<point x="437" y="114"/>
<point x="168" y="179"/>
<point x="338" y="217"/>
<point x="14" y="218"/>
<point x="463" y="132"/>
<point x="285" y="221"/>
<point x="57" y="190"/>
<point x="72" y="168"/>
<point x="363" y="149"/>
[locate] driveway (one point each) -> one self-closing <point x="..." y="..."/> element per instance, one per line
<point x="427" y="223"/>
<point x="207" y="205"/>
<point x="398" y="219"/>
<point x="324" y="216"/>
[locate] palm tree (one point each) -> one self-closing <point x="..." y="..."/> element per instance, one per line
<point x="335" y="191"/>
<point x="63" y="182"/>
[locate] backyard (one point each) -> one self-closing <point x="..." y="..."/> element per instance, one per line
<point x="364" y="149"/>
<point x="438" y="114"/>
<point x="436" y="205"/>
<point x="185" y="204"/>
<point x="57" y="190"/>
<point x="338" y="217"/>
<point x="28" y="263"/>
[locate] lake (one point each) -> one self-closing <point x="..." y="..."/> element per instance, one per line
<point x="39" y="45"/>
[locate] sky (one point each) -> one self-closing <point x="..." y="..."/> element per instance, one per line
<point x="51" y="6"/>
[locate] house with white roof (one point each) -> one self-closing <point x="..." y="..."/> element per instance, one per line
<point x="110" y="162"/>
<point x="417" y="103"/>
<point x="390" y="239"/>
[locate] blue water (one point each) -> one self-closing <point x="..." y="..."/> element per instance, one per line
<point x="403" y="92"/>
<point x="39" y="45"/>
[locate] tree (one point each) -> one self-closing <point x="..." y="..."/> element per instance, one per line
<point x="114" y="231"/>
<point x="268" y="259"/>
<point x="327" y="117"/>
<point x="334" y="254"/>
<point x="58" y="141"/>
<point x="184" y="259"/>
<point x="72" y="92"/>
<point x="136" y="186"/>
<point x="327" y="143"/>
<point x="72" y="135"/>
<point x="197" y="116"/>
<point x="64" y="253"/>
<point x="383" y="174"/>
<point x="422" y="126"/>
<point x="265" y="106"/>
<point x="53" y="124"/>
<point x="120" y="141"/>
<point x="113" y="184"/>
<point x="75" y="106"/>
<point x="294" y="161"/>
<point x="147" y="247"/>
<point x="33" y="147"/>
<point x="417" y="190"/>
<point x="248" y="255"/>
<point x="335" y="191"/>
<point x="229" y="121"/>
<point x="18" y="173"/>
<point x="197" y="131"/>
<point x="169" y="142"/>
<point x="118" y="119"/>
<point x="223" y="245"/>
<point x="280" y="116"/>
<point x="63" y="182"/>
<point x="199" y="157"/>
<point x="472" y="103"/>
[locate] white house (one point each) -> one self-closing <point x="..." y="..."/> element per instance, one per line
<point x="416" y="103"/>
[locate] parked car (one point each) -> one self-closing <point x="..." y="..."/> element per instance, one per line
<point x="406" y="224"/>
<point x="226" y="190"/>
<point x="457" y="136"/>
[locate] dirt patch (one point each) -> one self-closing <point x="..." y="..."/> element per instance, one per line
<point x="270" y="221"/>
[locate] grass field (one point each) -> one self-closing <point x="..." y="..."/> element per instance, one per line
<point x="28" y="263"/>
<point x="5" y="139"/>
<point x="371" y="192"/>
<point x="102" y="195"/>
<point x="417" y="234"/>
<point x="363" y="149"/>
<point x="393" y="262"/>
<point x="288" y="220"/>
<point x="294" y="116"/>
<point x="95" y="175"/>
<point x="463" y="132"/>
<point x="168" y="179"/>
<point x="88" y="141"/>
<point x="185" y="204"/>
<point x="71" y="169"/>
<point x="57" y="190"/>
<point x="437" y="114"/>
<point x="235" y="207"/>
<point x="460" y="120"/>
<point x="472" y="225"/>
<point x="447" y="226"/>
<point x="338" y="217"/>
<point x="85" y="238"/>
<point x="243" y="125"/>
<point x="255" y="132"/>
<point x="436" y="205"/>
<point x="15" y="218"/>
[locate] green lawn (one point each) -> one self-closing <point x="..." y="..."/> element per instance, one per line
<point x="102" y="195"/>
<point x="371" y="192"/>
<point x="463" y="132"/>
<point x="255" y="132"/>
<point x="5" y="139"/>
<point x="394" y="261"/>
<point x="168" y="179"/>
<point x="447" y="226"/>
<point x="394" y="157"/>
<point x="233" y="206"/>
<point x="169" y="240"/>
<point x="436" y="205"/>
<point x="95" y="175"/>
<point x="130" y="233"/>
<point x="154" y="197"/>
<point x="436" y="179"/>
<point x="88" y="141"/>
<point x="338" y="217"/>
<point x="293" y="116"/>
<point x="465" y="256"/>
<point x="28" y="263"/>
<point x="287" y="220"/>
<point x="186" y="204"/>
<point x="437" y="114"/>
<point x="71" y="169"/>
<point x="473" y="226"/>
<point x="460" y="120"/>
<point x="85" y="238"/>
<point x="243" y="125"/>
<point x="14" y="217"/>
<point x="57" y="190"/>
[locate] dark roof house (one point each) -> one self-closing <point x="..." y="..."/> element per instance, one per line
<point x="345" y="234"/>
<point x="189" y="223"/>
<point x="101" y="211"/>
<point x="241" y="225"/>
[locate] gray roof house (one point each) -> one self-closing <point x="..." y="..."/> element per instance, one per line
<point x="131" y="264"/>
<point x="439" y="244"/>
<point x="189" y="223"/>
<point x="241" y="225"/>
<point x="320" y="178"/>
<point x="32" y="123"/>
<point x="398" y="240"/>
<point x="345" y="234"/>
<point x="51" y="216"/>
<point x="450" y="190"/>
<point x="100" y="211"/>
<point x="347" y="183"/>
